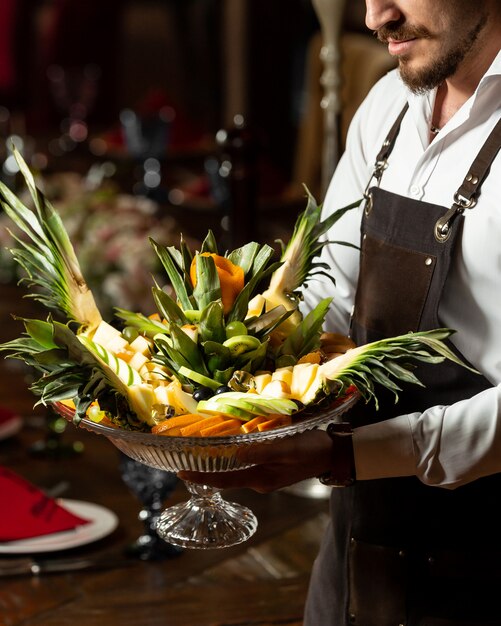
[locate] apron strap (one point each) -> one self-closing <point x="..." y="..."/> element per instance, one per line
<point x="382" y="158"/>
<point x="479" y="169"/>
<point x="389" y="142"/>
<point x="467" y="194"/>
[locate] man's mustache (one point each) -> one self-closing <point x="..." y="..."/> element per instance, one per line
<point x="399" y="32"/>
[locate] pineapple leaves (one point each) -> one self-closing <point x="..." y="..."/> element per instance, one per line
<point x="303" y="247"/>
<point x="241" y="304"/>
<point x="244" y="257"/>
<point x="306" y="337"/>
<point x="208" y="287"/>
<point x="182" y="350"/>
<point x="389" y="360"/>
<point x="147" y="326"/>
<point x="167" y="308"/>
<point x="211" y="326"/>
<point x="209" y="244"/>
<point x="174" y="273"/>
<point x="47" y="254"/>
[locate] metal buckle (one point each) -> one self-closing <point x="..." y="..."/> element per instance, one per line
<point x="464" y="203"/>
<point x="443" y="228"/>
<point x="379" y="168"/>
<point x="369" y="202"/>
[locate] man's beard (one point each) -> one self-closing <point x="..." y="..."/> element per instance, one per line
<point x="439" y="69"/>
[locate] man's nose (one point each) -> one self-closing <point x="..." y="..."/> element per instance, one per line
<point x="380" y="12"/>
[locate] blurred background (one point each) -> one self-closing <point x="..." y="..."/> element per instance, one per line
<point x="165" y="118"/>
<point x="162" y="118"/>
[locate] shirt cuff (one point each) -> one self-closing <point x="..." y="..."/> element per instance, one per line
<point x="384" y="450"/>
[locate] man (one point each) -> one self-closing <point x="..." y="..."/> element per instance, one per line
<point x="399" y="551"/>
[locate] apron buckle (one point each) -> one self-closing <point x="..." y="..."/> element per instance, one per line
<point x="379" y="168"/>
<point x="443" y="226"/>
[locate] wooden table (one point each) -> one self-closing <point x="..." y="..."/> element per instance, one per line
<point x="261" y="582"/>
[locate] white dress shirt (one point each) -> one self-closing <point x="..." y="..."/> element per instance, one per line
<point x="444" y="445"/>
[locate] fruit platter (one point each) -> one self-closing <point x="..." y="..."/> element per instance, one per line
<point x="227" y="359"/>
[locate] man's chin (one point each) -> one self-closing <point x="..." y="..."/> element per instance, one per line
<point x="417" y="80"/>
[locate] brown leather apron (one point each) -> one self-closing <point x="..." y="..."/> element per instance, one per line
<point x="397" y="551"/>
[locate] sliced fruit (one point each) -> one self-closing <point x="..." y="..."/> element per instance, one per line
<point x="251" y="425"/>
<point x="284" y="374"/>
<point x="277" y="389"/>
<point x="128" y="375"/>
<point x="172" y="423"/>
<point x="192" y="315"/>
<point x="275" y="422"/>
<point x="260" y="381"/>
<point x="180" y="400"/>
<point x="193" y="430"/>
<point x="117" y="344"/>
<point x="261" y="405"/>
<point x="138" y="361"/>
<point x="142" y="397"/>
<point x="226" y="427"/>
<point x="239" y="344"/>
<point x="303" y="375"/>
<point x="199" y="378"/>
<point x="105" y="333"/>
<point x="318" y="389"/>
<point x="228" y="410"/>
<point x="141" y="345"/>
<point x="256" y="306"/>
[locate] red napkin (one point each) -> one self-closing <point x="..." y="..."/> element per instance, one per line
<point x="29" y="512"/>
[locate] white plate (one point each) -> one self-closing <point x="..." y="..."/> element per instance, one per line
<point x="102" y="522"/>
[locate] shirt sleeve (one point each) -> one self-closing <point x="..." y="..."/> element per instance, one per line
<point x="445" y="446"/>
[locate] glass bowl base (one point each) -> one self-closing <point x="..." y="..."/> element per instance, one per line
<point x="206" y="522"/>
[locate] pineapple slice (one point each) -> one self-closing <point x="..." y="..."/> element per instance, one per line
<point x="141" y="345"/>
<point x="277" y="389"/>
<point x="138" y="361"/>
<point x="303" y="376"/>
<point x="142" y="398"/>
<point x="105" y="334"/>
<point x="260" y="381"/>
<point x="284" y="374"/>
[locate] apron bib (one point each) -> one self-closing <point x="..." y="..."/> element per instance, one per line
<point x="397" y="551"/>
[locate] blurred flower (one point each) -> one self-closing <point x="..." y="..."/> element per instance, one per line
<point x="110" y="233"/>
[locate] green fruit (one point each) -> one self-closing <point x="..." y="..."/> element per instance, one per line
<point x="198" y="378"/>
<point x="252" y="403"/>
<point x="235" y="328"/>
<point x="241" y="343"/>
<point x="206" y="406"/>
<point x="130" y="333"/>
<point x="192" y="315"/>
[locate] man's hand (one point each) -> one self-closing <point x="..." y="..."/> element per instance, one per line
<point x="275" y="465"/>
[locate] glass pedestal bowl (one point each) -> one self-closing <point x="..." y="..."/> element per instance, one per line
<point x="206" y="520"/>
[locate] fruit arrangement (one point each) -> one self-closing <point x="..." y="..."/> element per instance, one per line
<point x="228" y="350"/>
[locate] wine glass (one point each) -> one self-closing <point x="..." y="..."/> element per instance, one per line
<point x="151" y="486"/>
<point x="206" y="520"/>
